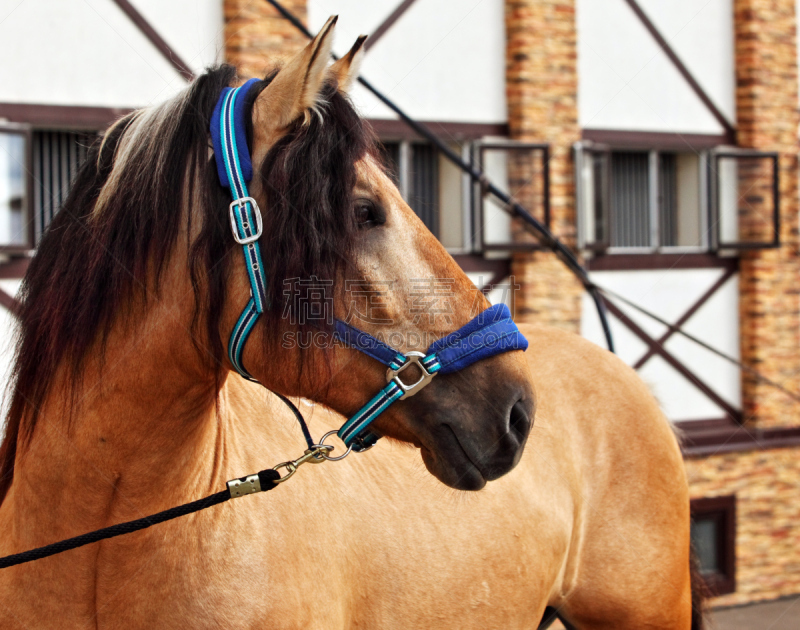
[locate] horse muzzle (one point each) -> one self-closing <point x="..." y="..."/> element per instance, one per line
<point x="466" y="446"/>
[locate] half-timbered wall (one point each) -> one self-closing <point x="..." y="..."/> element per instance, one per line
<point x="628" y="83"/>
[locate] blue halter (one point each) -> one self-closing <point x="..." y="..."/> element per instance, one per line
<point x="490" y="333"/>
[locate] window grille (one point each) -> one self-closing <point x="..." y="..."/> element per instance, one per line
<point x="57" y="156"/>
<point x="415" y="169"/>
<point x="424" y="190"/>
<point x="630" y="199"/>
<point x="390" y="152"/>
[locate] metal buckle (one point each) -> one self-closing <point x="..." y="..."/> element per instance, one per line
<point x="240" y="203"/>
<point x="414" y="358"/>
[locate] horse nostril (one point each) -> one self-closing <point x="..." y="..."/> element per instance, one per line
<point x="518" y="420"/>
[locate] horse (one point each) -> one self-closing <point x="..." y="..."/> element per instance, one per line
<point x="124" y="403"/>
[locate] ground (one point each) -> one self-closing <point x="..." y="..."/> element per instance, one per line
<point x="782" y="614"/>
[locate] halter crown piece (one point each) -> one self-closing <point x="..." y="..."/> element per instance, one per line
<point x="490" y="333"/>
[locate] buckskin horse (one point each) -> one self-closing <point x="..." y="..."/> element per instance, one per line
<point x="125" y="403"/>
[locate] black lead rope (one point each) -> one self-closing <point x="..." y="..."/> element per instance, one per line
<point x="267" y="479"/>
<point x="300" y="419"/>
<point x="262" y="481"/>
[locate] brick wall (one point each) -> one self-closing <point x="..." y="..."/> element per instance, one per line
<point x="542" y="91"/>
<point x="767" y="489"/>
<point x="767" y="119"/>
<point x="256" y="35"/>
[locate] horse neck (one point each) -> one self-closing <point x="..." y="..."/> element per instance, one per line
<point x="144" y="430"/>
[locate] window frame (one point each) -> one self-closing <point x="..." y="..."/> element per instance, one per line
<point x="722" y="510"/>
<point x="584" y="147"/>
<point x="26" y="131"/>
<point x="713" y="180"/>
<point x="585" y="223"/>
<point x="476" y="198"/>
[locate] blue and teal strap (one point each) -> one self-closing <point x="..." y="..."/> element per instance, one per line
<point x="235" y="169"/>
<point x="352" y="429"/>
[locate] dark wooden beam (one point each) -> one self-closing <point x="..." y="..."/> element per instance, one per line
<point x="150" y="33"/>
<point x="701" y="438"/>
<point x="627" y="262"/>
<point x="721" y="119"/>
<point x="727" y="275"/>
<point x="62" y="116"/>
<point x="387" y="23"/>
<point x="15" y="268"/>
<point x="672" y="361"/>
<point x="397" y="129"/>
<point x="617" y="139"/>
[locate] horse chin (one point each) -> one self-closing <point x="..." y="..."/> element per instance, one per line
<point x="461" y="477"/>
<point x="465" y="456"/>
<point x="450" y="464"/>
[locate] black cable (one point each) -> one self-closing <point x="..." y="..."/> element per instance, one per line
<point x="267" y="479"/>
<point x="531" y="223"/>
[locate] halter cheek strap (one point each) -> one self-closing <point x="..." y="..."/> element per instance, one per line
<point x="490" y="333"/>
<point x="234" y="170"/>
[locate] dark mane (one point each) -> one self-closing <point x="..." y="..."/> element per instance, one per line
<point x="107" y="248"/>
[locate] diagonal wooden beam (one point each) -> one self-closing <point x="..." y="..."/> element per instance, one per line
<point x="687" y="315"/>
<point x="150" y="33"/>
<point x="730" y="130"/>
<point x="387" y="24"/>
<point x="673" y="362"/>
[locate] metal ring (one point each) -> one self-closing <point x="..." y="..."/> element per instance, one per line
<point x="333" y="459"/>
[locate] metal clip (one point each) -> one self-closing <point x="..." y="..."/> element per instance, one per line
<point x="414" y="358"/>
<point x="314" y="456"/>
<point x="246" y="485"/>
<point x="241" y="203"/>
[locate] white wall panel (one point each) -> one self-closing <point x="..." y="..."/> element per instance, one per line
<point x="669" y="294"/>
<point x="88" y="52"/>
<point x="442" y="60"/>
<point x="193" y="28"/>
<point x="627" y="82"/>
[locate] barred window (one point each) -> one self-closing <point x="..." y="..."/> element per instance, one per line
<point x="57" y="156"/>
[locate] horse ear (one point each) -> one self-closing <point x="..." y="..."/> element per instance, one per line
<point x="347" y="68"/>
<point x="295" y="89"/>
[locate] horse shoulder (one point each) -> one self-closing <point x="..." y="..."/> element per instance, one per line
<point x="630" y="491"/>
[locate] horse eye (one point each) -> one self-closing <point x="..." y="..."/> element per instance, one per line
<point x="367" y="214"/>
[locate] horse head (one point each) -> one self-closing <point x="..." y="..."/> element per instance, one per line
<point x="340" y="242"/>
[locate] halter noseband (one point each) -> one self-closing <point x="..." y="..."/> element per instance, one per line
<point x="490" y="333"/>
